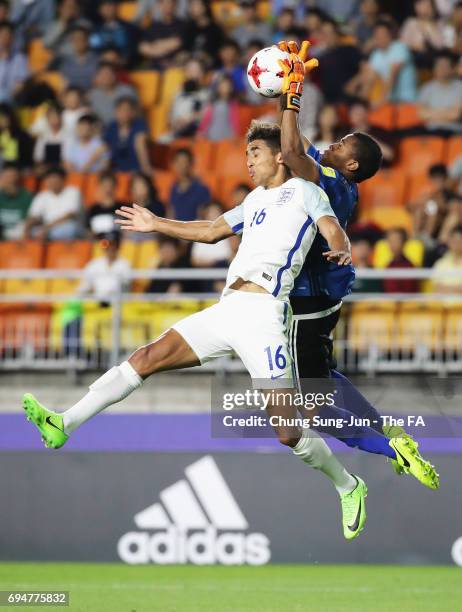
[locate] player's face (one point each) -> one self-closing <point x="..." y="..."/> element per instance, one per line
<point x="262" y="162"/>
<point x="340" y="154"/>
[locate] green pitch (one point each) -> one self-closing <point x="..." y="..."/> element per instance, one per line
<point x="276" y="588"/>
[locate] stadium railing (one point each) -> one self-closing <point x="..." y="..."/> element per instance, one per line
<point x="377" y="332"/>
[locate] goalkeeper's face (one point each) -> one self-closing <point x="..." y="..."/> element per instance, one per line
<point x="263" y="162"/>
<point x="341" y="155"/>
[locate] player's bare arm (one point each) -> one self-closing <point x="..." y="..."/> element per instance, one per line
<point x="292" y="143"/>
<point x="339" y="244"/>
<point x="138" y="219"/>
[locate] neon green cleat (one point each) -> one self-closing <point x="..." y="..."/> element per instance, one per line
<point x="412" y="462"/>
<point x="395" y="431"/>
<point x="354" y="509"/>
<point x="49" y="424"/>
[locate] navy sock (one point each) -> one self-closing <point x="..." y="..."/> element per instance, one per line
<point x="353" y="400"/>
<point x="357" y="436"/>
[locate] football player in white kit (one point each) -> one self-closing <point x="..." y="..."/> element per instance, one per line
<point x="278" y="221"/>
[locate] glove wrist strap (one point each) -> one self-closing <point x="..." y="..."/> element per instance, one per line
<point x="290" y="101"/>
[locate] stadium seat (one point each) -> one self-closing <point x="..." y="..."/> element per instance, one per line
<point x="230" y="159"/>
<point x="22" y="255"/>
<point x="148" y="259"/>
<point x="413" y="249"/>
<point x="146" y="83"/>
<point x="383" y="116"/>
<point x="454" y="149"/>
<point x="172" y="81"/>
<point x="418" y="186"/>
<point x="453" y="327"/>
<point x="163" y="180"/>
<point x="227" y="14"/>
<point x="407" y="116"/>
<point x="204" y="157"/>
<point x="66" y="255"/>
<point x="39" y="56"/>
<point x="372" y="325"/>
<point x="76" y="179"/>
<point x="420" y="324"/>
<point x="91" y="190"/>
<point x="127" y="10"/>
<point x="168" y="313"/>
<point x="387" y="217"/>
<point x="157" y="117"/>
<point x="129" y="250"/>
<point x="24" y="327"/>
<point x="418" y="153"/>
<point x="123" y="186"/>
<point x="264" y="10"/>
<point x="386" y="188"/>
<point x="54" y="79"/>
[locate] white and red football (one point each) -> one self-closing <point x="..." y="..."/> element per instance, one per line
<point x="264" y="73"/>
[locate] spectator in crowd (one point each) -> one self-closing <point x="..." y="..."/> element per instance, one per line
<point x="363" y="25"/>
<point x="103" y="276"/>
<point x="455" y="175"/>
<point x="14" y="203"/>
<point x="188" y="105"/>
<point x="423" y="33"/>
<point x="310" y="108"/>
<point x="329" y="129"/>
<point x="339" y="62"/>
<point x="359" y="122"/>
<point x="452" y="31"/>
<point x="230" y="58"/>
<point x="391" y="62"/>
<point x="31" y="18"/>
<point x="286" y="27"/>
<point x="163" y="40"/>
<point x="429" y="210"/>
<point x="397" y="239"/>
<point x="86" y="152"/>
<point x="55" y="212"/>
<point x="440" y="100"/>
<point x="313" y="19"/>
<point x="202" y="36"/>
<point x="80" y="65"/>
<point x="4" y="11"/>
<point x="216" y="255"/>
<point x="58" y="34"/>
<point x="16" y="146"/>
<point x="14" y="69"/>
<point x="340" y="10"/>
<point x="106" y="91"/>
<point x="170" y="257"/>
<point x="251" y="28"/>
<point x="188" y="193"/>
<point x="111" y="55"/>
<point x="362" y="253"/>
<point x="220" y="120"/>
<point x="74" y="107"/>
<point x="49" y="145"/>
<point x="452" y="219"/>
<point x="451" y="260"/>
<point x="240" y="192"/>
<point x="127" y="138"/>
<point x="150" y="9"/>
<point x="114" y="32"/>
<point x="100" y="216"/>
<point x="144" y="193"/>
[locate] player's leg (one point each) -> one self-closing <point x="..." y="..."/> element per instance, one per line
<point x="170" y="351"/>
<point x="265" y="353"/>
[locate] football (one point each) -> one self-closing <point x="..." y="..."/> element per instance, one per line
<point x="264" y="72"/>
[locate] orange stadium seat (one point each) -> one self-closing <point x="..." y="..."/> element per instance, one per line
<point x="418" y="153"/>
<point x="163" y="180"/>
<point x="172" y="81"/>
<point x="157" y="117"/>
<point x="420" y="324"/>
<point x="54" y="79"/>
<point x="39" y="56"/>
<point x="76" y="179"/>
<point x="66" y="255"/>
<point x="453" y="327"/>
<point x="454" y="149"/>
<point x="146" y="83"/>
<point x="204" y="157"/>
<point x="230" y="159"/>
<point x="407" y="116"/>
<point x="386" y="188"/>
<point x="91" y="189"/>
<point x="419" y="186"/>
<point x="264" y="10"/>
<point x="383" y="116"/>
<point x="127" y="10"/>
<point x="148" y="259"/>
<point x="389" y="216"/>
<point x="22" y="255"/>
<point x="129" y="250"/>
<point x="24" y="326"/>
<point x="372" y="325"/>
<point x="123" y="186"/>
<point x="228" y="14"/>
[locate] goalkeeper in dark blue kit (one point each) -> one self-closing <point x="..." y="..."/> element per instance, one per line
<point x="317" y="296"/>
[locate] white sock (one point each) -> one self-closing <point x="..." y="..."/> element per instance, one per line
<point x="314" y="451"/>
<point x="112" y="387"/>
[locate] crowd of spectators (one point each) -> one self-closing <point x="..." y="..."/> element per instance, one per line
<point x="370" y="52"/>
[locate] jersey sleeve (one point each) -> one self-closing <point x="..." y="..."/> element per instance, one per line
<point x="235" y="218"/>
<point x="316" y="202"/>
<point x="313" y="152"/>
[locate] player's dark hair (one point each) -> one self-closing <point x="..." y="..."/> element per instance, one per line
<point x="88" y="118"/>
<point x="108" y="176"/>
<point x="185" y="151"/>
<point x="386" y="22"/>
<point x="58" y="170"/>
<point x="438" y="170"/>
<point x="368" y="155"/>
<point x="445" y="54"/>
<point x="269" y="132"/>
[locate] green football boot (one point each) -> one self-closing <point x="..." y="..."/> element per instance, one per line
<point x="412" y="462"/>
<point x="49" y="424"/>
<point x="354" y="509"/>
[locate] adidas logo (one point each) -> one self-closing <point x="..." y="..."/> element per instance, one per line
<point x="197" y="521"/>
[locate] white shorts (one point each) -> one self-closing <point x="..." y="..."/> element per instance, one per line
<point x="253" y="325"/>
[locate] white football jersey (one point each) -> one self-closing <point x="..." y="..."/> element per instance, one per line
<point x="278" y="227"/>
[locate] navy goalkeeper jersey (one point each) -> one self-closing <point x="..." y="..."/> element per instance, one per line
<point x="318" y="277"/>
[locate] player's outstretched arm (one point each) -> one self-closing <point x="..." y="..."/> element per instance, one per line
<point x="339" y="244"/>
<point x="138" y="219"/>
<point x="292" y="144"/>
